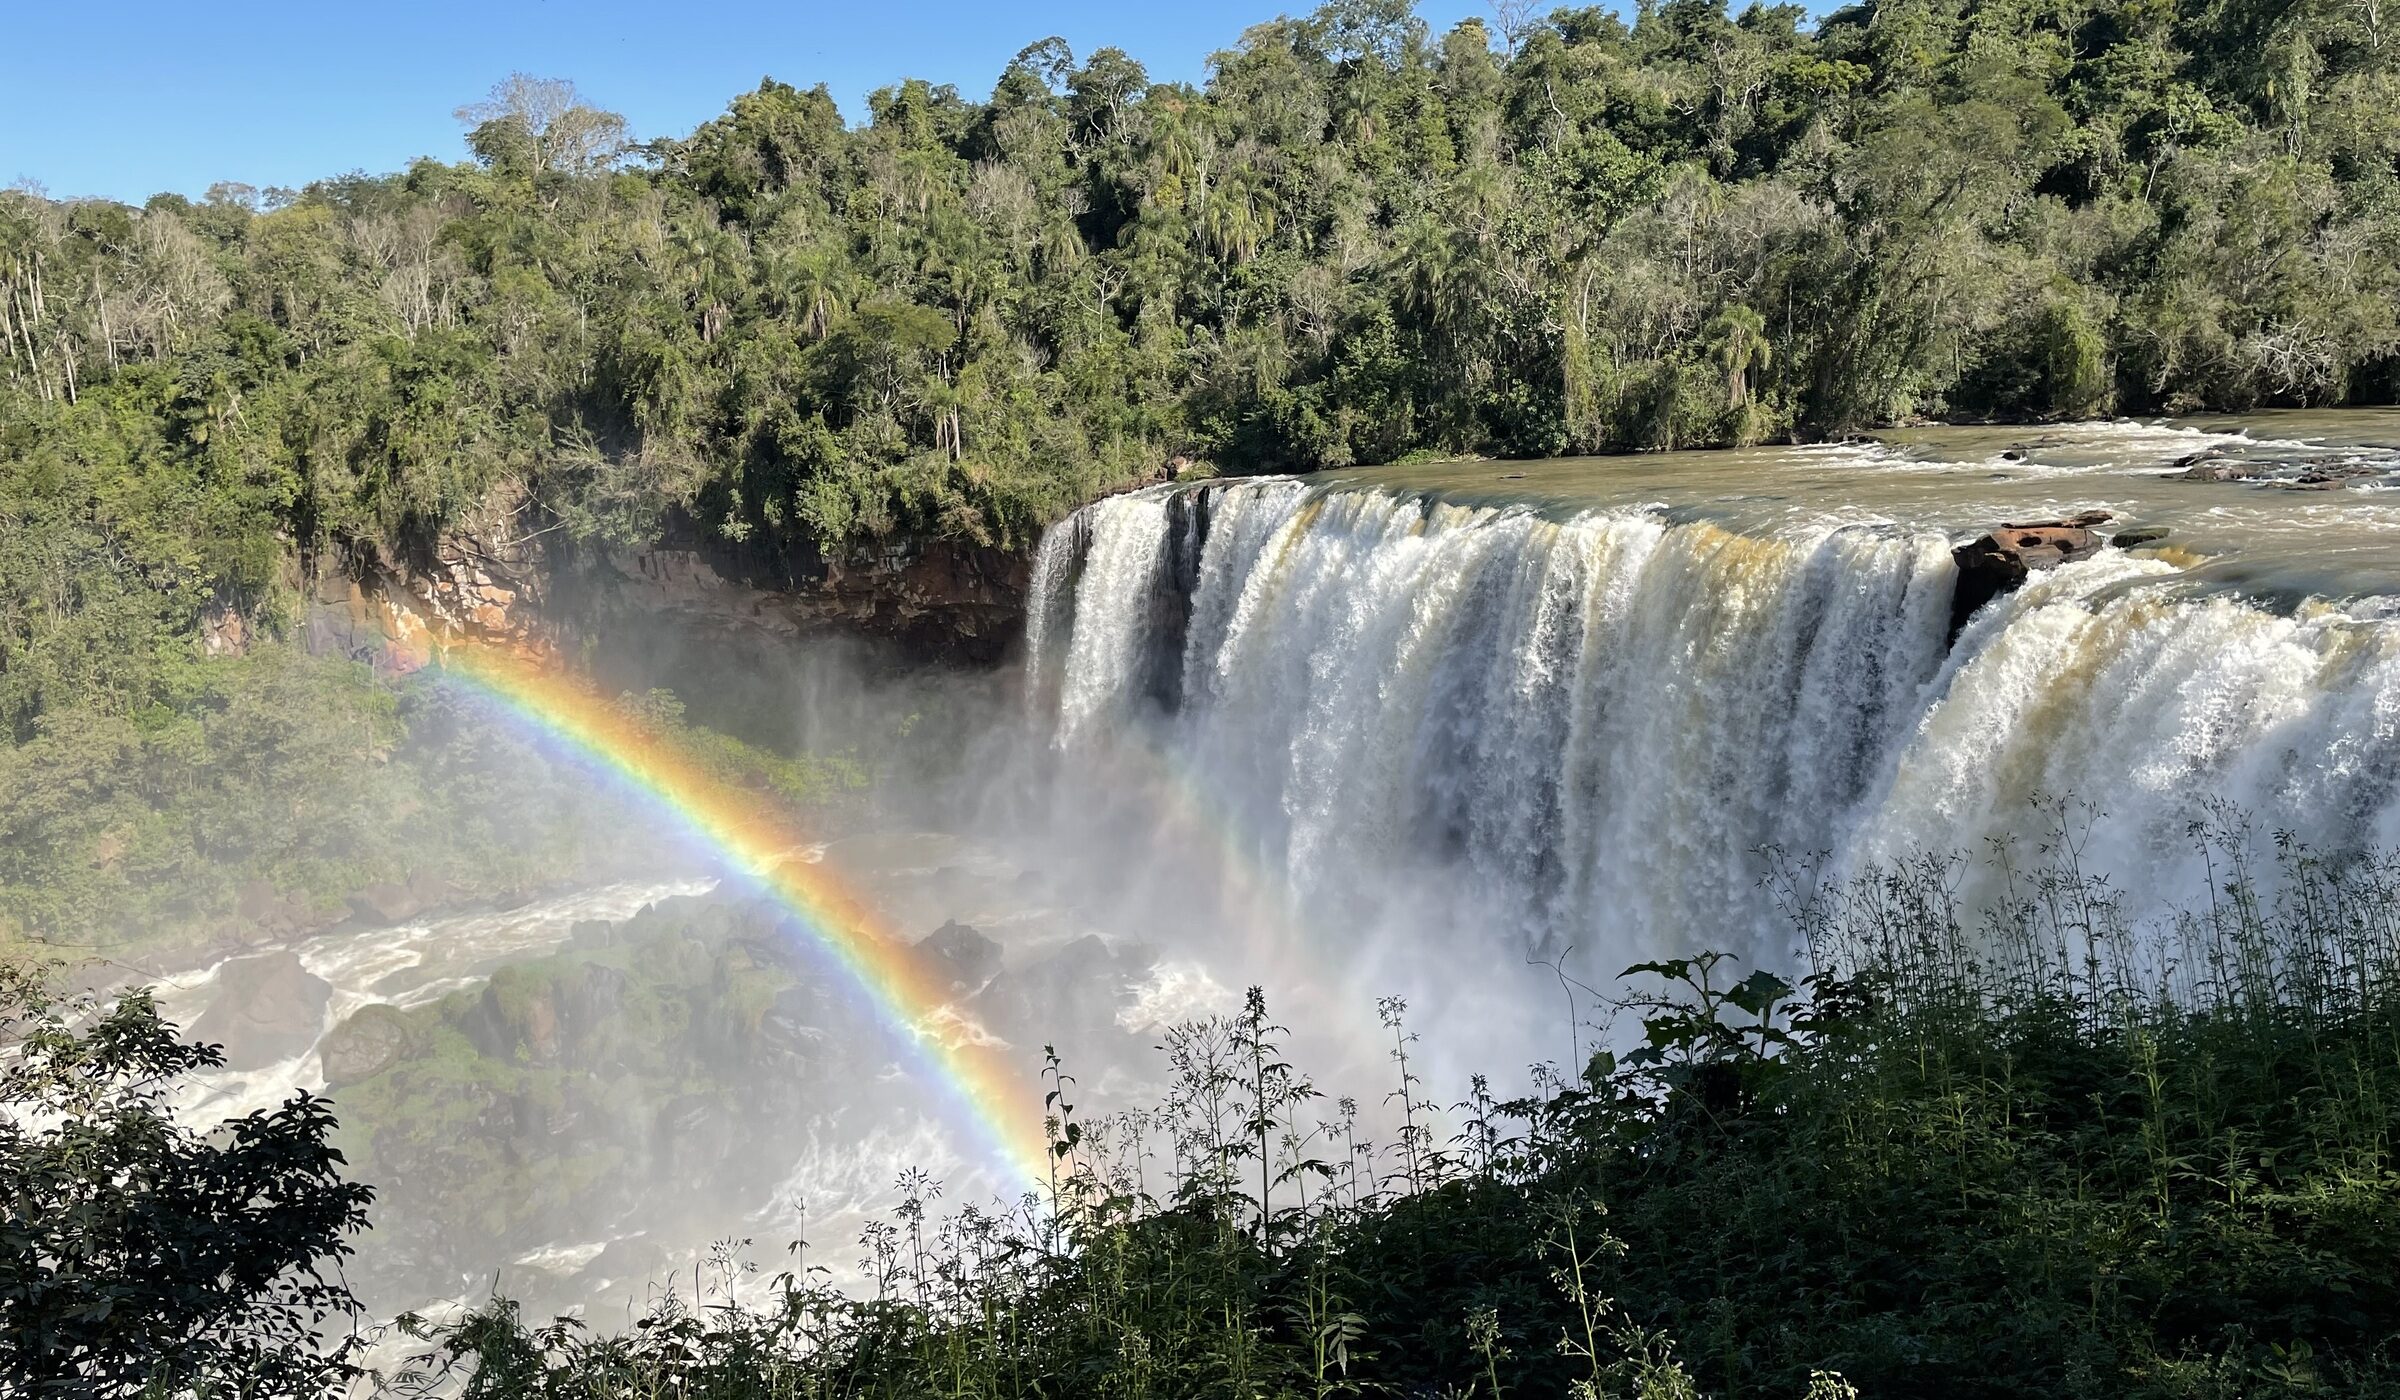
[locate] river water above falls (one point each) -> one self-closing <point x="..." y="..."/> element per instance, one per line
<point x="1541" y="706"/>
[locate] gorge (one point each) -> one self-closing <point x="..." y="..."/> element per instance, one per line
<point x="1666" y="701"/>
<point x="1467" y="734"/>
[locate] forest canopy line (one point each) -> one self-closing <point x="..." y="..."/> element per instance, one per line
<point x="1359" y="241"/>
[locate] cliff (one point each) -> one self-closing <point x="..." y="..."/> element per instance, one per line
<point x="490" y="578"/>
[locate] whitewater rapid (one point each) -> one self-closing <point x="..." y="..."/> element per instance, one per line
<point x="1541" y="729"/>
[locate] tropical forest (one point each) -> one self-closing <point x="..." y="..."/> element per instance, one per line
<point x="1660" y="702"/>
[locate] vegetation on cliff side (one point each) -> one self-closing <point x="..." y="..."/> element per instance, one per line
<point x="273" y="793"/>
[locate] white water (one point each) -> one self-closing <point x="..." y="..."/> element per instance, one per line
<point x="407" y="965"/>
<point x="1527" y="731"/>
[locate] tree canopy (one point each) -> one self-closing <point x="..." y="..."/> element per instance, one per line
<point x="1359" y="240"/>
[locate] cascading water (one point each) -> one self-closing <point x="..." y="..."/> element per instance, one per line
<point x="1580" y="731"/>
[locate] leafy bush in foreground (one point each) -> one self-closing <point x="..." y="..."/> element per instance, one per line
<point x="2035" y="1156"/>
<point x="138" y="1256"/>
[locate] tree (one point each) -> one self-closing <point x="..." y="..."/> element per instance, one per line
<point x="543" y="124"/>
<point x="1738" y="340"/>
<point x="138" y="1255"/>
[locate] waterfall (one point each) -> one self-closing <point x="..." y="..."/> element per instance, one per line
<point x="1580" y="731"/>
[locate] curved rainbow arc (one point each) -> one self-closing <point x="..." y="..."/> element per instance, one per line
<point x="992" y="1095"/>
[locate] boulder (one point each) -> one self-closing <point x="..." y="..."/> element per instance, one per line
<point x="2207" y="467"/>
<point x="267" y="913"/>
<point x="1073" y="991"/>
<point x="367" y="1044"/>
<point x="2334" y="478"/>
<point x="2138" y="536"/>
<point x="384" y="903"/>
<point x="2001" y="561"/>
<point x="266" y="1008"/>
<point x="965" y="957"/>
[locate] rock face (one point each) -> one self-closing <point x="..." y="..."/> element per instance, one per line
<point x="267" y="1008"/>
<point x="937" y="598"/>
<point x="499" y="575"/>
<point x="2002" y="560"/>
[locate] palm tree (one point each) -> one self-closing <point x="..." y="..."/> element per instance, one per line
<point x="1738" y="340"/>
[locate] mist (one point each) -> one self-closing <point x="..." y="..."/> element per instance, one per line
<point x="1430" y="773"/>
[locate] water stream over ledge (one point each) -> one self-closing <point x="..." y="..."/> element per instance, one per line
<point x="1564" y="705"/>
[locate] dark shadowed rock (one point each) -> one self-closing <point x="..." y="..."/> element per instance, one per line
<point x="2001" y="561"/>
<point x="967" y="957"/>
<point x="1073" y="990"/>
<point x="370" y="1042"/>
<point x="2138" y="536"/>
<point x="266" y="1008"/>
<point x="2334" y="478"/>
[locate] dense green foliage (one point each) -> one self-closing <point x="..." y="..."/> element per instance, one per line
<point x="139" y="1255"/>
<point x="262" y="792"/>
<point x="1360" y="240"/>
<point x="2025" y="1159"/>
<point x="792" y="336"/>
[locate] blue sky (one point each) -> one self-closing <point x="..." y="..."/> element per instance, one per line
<point x="137" y="96"/>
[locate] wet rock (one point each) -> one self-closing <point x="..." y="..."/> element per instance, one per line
<point x="2138" y="536"/>
<point x="589" y="1001"/>
<point x="2001" y="561"/>
<point x="794" y="1026"/>
<point x="384" y="903"/>
<point x="967" y="957"/>
<point x="266" y="1008"/>
<point x="2210" y="469"/>
<point x="400" y="901"/>
<point x="1073" y="990"/>
<point x="266" y="912"/>
<point x="2326" y="478"/>
<point x="370" y="1042"/>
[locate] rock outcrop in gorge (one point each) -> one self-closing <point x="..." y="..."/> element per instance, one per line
<point x="498" y="575"/>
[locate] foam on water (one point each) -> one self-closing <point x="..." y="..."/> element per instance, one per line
<point x="1540" y="728"/>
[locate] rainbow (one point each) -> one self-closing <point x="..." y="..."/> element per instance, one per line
<point x="991" y="1093"/>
